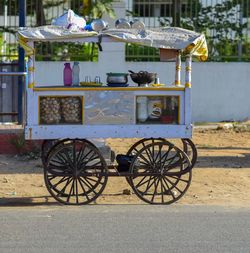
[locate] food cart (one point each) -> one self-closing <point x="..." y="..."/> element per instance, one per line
<point x="67" y="118"/>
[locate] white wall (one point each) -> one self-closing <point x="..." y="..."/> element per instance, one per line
<point x="220" y="91"/>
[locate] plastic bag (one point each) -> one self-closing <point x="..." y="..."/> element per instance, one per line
<point x="70" y="20"/>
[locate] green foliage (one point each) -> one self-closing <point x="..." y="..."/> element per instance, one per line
<point x="66" y="52"/>
<point x="100" y="7"/>
<point x="141" y="53"/>
<point x="18" y="141"/>
<point x="223" y="29"/>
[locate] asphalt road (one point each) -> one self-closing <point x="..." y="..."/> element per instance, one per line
<point x="124" y="228"/>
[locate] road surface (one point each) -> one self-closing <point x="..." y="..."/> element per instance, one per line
<point x="124" y="228"/>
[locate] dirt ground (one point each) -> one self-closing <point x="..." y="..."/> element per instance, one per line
<point x="220" y="177"/>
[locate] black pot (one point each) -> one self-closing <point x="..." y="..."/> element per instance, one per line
<point x="142" y="77"/>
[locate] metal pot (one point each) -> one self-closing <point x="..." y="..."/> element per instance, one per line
<point x="117" y="78"/>
<point x="99" y="25"/>
<point x="122" y="23"/>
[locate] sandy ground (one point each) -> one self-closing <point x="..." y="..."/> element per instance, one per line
<point x="220" y="177"/>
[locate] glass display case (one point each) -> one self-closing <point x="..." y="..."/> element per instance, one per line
<point x="157" y="110"/>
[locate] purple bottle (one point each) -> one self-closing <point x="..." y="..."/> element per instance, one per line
<point x="67" y="74"/>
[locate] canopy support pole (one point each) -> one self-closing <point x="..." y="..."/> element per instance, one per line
<point x="178" y="70"/>
<point x="188" y="71"/>
<point x="31" y="67"/>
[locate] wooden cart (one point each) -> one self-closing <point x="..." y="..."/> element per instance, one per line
<point x="67" y="118"/>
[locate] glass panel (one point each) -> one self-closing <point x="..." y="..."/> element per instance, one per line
<point x="157" y="110"/>
<point x="109" y="108"/>
<point x="61" y="110"/>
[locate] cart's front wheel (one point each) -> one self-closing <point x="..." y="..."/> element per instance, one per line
<point x="75" y="173"/>
<point x="161" y="173"/>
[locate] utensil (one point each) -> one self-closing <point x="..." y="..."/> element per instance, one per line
<point x="137" y="24"/>
<point x="117" y="78"/>
<point x="122" y="23"/>
<point x="99" y="25"/>
<point x="142" y="77"/>
<point x="97" y="79"/>
<point x="87" y="79"/>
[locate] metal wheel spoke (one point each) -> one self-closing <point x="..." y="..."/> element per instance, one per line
<point x="179" y="178"/>
<point x="148" y="185"/>
<point x="93" y="180"/>
<point x="170" y="159"/>
<point x="74" y="153"/>
<point x="70" y="192"/>
<point x="83" y="158"/>
<point x="70" y="162"/>
<point x="84" y="191"/>
<point x="149" y="155"/>
<point x="91" y="166"/>
<point x="165" y="156"/>
<point x="174" y="185"/>
<point x="141" y="182"/>
<point x="59" y="182"/>
<point x="162" y="191"/>
<point x="88" y="185"/>
<point x="62" y="191"/>
<point x="169" y="189"/>
<point x="155" y="191"/>
<point x="145" y="159"/>
<point x="87" y="180"/>
<point x="158" y="153"/>
<point x="81" y="153"/>
<point x="76" y="184"/>
<point x="61" y="158"/>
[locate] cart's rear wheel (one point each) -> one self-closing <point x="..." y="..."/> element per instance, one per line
<point x="75" y="172"/>
<point x="170" y="168"/>
<point x="190" y="149"/>
<point x="185" y="144"/>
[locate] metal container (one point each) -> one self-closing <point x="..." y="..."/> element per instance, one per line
<point x="137" y="24"/>
<point x="122" y="23"/>
<point x="98" y="25"/>
<point x="142" y="77"/>
<point x="117" y="78"/>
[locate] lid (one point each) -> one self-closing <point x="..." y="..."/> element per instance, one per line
<point x="117" y="74"/>
<point x="76" y="62"/>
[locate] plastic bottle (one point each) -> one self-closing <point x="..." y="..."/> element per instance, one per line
<point x="67" y="74"/>
<point x="75" y="74"/>
<point x="142" y="109"/>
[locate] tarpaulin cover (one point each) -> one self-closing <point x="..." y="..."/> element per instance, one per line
<point x="189" y="42"/>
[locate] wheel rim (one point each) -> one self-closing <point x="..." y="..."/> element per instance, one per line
<point x="190" y="149"/>
<point x="75" y="173"/>
<point x="46" y="146"/>
<point x="161" y="188"/>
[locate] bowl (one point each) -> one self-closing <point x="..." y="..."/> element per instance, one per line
<point x="142" y="77"/>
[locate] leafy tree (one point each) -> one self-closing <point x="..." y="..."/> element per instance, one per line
<point x="223" y="29"/>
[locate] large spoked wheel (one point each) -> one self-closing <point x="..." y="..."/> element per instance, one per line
<point x="75" y="172"/>
<point x="161" y="173"/>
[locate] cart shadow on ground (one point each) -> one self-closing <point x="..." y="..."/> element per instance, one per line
<point x="39" y="201"/>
